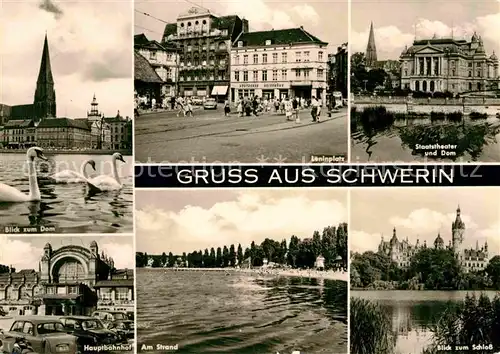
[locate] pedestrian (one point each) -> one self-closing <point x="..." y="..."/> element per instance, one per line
<point x="288" y="109"/>
<point x="239" y="107"/>
<point x="314" y="109"/>
<point x="296" y="109"/>
<point x="318" y="112"/>
<point x="172" y="103"/>
<point x="153" y="103"/>
<point x="227" y="109"/>
<point x="255" y="106"/>
<point x="188" y="108"/>
<point x="136" y="107"/>
<point x="180" y="106"/>
<point x="276" y="105"/>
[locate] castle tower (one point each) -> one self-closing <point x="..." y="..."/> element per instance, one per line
<point x="94" y="113"/>
<point x="45" y="96"/>
<point x="371" y="50"/>
<point x="439" y="242"/>
<point x="457" y="232"/>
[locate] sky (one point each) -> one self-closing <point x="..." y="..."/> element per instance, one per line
<point x="262" y="15"/>
<point x="184" y="221"/>
<point x="23" y="252"/>
<point x="422" y="213"/>
<point x="90" y="52"/>
<point x="392" y="33"/>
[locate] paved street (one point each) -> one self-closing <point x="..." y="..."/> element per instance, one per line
<point x="163" y="137"/>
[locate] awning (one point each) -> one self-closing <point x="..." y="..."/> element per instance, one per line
<point x="219" y="91"/>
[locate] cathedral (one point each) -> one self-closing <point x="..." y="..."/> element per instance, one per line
<point x="470" y="260"/>
<point x="44" y="101"/>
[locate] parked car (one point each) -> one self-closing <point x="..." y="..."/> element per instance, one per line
<point x="41" y="334"/>
<point x="197" y="101"/>
<point x="3" y="312"/>
<point x="123" y="328"/>
<point x="89" y="330"/>
<point x="210" y="103"/>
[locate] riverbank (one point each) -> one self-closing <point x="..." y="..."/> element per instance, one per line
<point x="124" y="152"/>
<point x="303" y="273"/>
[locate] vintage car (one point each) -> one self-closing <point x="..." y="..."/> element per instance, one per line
<point x="116" y="321"/>
<point x="210" y="103"/>
<point x="42" y="334"/>
<point x="89" y="331"/>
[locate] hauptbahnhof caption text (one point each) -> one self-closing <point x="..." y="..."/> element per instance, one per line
<point x="215" y="176"/>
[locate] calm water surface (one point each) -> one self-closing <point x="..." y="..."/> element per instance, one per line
<point x="413" y="312"/>
<point x="240" y="313"/>
<point x="478" y="141"/>
<point x="68" y="207"/>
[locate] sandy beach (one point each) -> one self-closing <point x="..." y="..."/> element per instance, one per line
<point x="272" y="272"/>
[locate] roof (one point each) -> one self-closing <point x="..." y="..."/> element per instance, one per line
<point x="144" y="71"/>
<point x="63" y="123"/>
<point x="38" y="319"/>
<point x="449" y="45"/>
<point x="83" y="318"/>
<point x="18" y="123"/>
<point x="278" y="37"/>
<point x="121" y="283"/>
<point x="59" y="296"/>
<point x="140" y="39"/>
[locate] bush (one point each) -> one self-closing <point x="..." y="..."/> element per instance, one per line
<point x="477" y="115"/>
<point x="370" y="328"/>
<point x="455" y="116"/>
<point x="437" y="116"/>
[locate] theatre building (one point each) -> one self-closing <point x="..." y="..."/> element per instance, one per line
<point x="279" y="63"/>
<point x="68" y="282"/>
<point x="203" y="42"/>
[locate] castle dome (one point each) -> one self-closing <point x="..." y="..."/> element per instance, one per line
<point x="493" y="56"/>
<point x="438" y="242"/>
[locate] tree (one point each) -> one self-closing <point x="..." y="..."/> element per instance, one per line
<point x="316" y="244"/>
<point x="358" y="72"/>
<point x="293" y="250"/>
<point x="239" y="254"/>
<point x="218" y="258"/>
<point x="225" y="257"/>
<point x="213" y="258"/>
<point x="437" y="268"/>
<point x="493" y="271"/>
<point x="232" y="256"/>
<point x="206" y="259"/>
<point x="171" y="259"/>
<point x="164" y="259"/>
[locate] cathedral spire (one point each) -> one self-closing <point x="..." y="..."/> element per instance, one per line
<point x="371" y="49"/>
<point x="45" y="96"/>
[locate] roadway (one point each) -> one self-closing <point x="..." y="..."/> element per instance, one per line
<point x="209" y="136"/>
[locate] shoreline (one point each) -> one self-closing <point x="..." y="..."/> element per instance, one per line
<point x="124" y="152"/>
<point x="302" y="273"/>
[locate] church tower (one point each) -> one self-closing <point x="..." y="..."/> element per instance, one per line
<point x="457" y="231"/>
<point x="45" y="95"/>
<point x="94" y="113"/>
<point x="371" y="50"/>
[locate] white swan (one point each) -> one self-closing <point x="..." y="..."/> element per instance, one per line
<point x="69" y="176"/>
<point x="105" y="183"/>
<point x="13" y="195"/>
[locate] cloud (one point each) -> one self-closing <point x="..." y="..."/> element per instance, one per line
<point x="260" y="15"/>
<point x="24" y="255"/>
<point x="307" y="13"/>
<point x="360" y="241"/>
<point x="390" y="40"/>
<point x="50" y="7"/>
<point x="89" y="53"/>
<point x="251" y="217"/>
<point x="429" y="221"/>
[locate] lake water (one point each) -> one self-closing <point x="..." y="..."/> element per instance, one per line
<point x="477" y="141"/>
<point x="68" y="207"/>
<point x="412" y="313"/>
<point x="240" y="313"/>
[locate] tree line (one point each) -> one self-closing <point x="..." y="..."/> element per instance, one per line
<point x="6" y="269"/>
<point x="429" y="268"/>
<point x="331" y="243"/>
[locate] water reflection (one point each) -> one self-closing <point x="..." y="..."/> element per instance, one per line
<point x="475" y="140"/>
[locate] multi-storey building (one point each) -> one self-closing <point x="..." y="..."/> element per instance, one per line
<point x="163" y="58"/>
<point x="67" y="282"/>
<point x="279" y="63"/>
<point x="448" y="65"/>
<point x="64" y="133"/>
<point x="120" y="128"/>
<point x="20" y="133"/>
<point x="402" y="251"/>
<point x="340" y="69"/>
<point x="100" y="131"/>
<point x="117" y="292"/>
<point x="204" y="44"/>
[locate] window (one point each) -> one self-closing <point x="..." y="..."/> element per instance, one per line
<point x="320" y="73"/>
<point x="297" y="73"/>
<point x="236" y="76"/>
<point x="479" y="73"/>
<point x="245" y="75"/>
<point x="268" y="42"/>
<point x="255" y="75"/>
<point x="283" y="57"/>
<point x="105" y="294"/>
<point x="298" y="57"/>
<point x="152" y="55"/>
<point x="275" y="58"/>
<point x="320" y="56"/>
<point x="306" y="73"/>
<point x="275" y="75"/>
<point x="283" y="75"/>
<point x="122" y="294"/>
<point x="470" y="73"/>
<point x="406" y="72"/>
<point x="306" y="56"/>
<point x="256" y="58"/>
<point x="453" y="73"/>
<point x="240" y="44"/>
<point x="236" y="59"/>
<point x="245" y="59"/>
<point x="264" y="75"/>
<point x="264" y="58"/>
<point x="470" y="65"/>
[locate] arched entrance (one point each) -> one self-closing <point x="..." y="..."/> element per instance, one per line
<point x="417" y="86"/>
<point x="432" y="86"/>
<point x="424" y="86"/>
<point x="68" y="269"/>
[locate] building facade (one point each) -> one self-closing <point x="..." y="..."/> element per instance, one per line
<point x="100" y="131"/>
<point x="279" y="64"/>
<point x="64" y="133"/>
<point x="448" y="65"/>
<point x="120" y="128"/>
<point x="117" y="292"/>
<point x="401" y="252"/>
<point x="204" y="44"/>
<point x="337" y="70"/>
<point x="67" y="283"/>
<point x="20" y="134"/>
<point x="163" y="58"/>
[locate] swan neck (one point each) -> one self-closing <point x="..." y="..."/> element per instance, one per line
<point x="115" y="171"/>
<point x="83" y="170"/>
<point x="33" y="182"/>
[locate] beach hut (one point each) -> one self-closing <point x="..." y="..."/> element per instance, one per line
<point x="320" y="262"/>
<point x="339" y="262"/>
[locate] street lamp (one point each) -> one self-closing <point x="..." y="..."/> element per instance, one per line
<point x="365" y="81"/>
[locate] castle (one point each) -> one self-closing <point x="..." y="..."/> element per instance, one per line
<point x="402" y="251"/>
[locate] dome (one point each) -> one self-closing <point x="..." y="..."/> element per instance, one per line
<point x="474" y="37"/>
<point x="493" y="56"/>
<point x="438" y="242"/>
